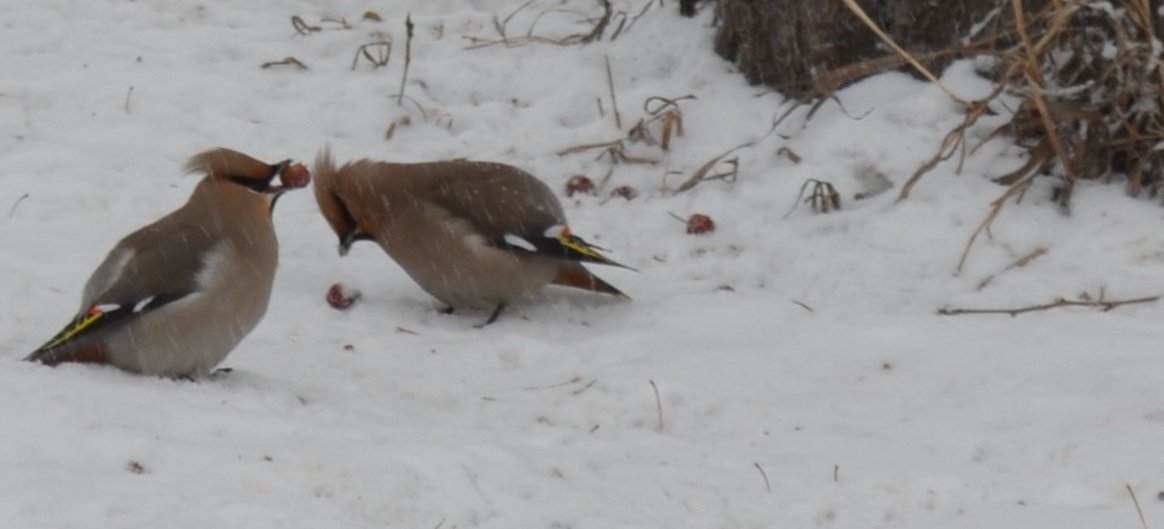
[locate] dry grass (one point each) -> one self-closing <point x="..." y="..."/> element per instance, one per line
<point x="1093" y="93"/>
<point x="1089" y="78"/>
<point x="501" y="26"/>
<point x="1091" y="84"/>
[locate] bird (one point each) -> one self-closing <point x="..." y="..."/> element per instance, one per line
<point x="472" y="234"/>
<point x="173" y="298"/>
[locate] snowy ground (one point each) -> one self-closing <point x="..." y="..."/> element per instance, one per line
<point x="868" y="411"/>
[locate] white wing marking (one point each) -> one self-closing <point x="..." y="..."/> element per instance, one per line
<point x="514" y="240"/>
<point x="142" y="304"/>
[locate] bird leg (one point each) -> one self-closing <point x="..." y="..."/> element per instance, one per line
<point x="493" y="317"/>
<point x="213" y="375"/>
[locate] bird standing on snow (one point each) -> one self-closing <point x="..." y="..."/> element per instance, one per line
<point x="175" y="297"/>
<point x="472" y="234"/>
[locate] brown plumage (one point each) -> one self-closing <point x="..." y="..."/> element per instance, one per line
<point x="175" y="297"/>
<point x="471" y="234"/>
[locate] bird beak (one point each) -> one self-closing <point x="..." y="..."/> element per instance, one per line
<point x="348" y="240"/>
<point x="291" y="176"/>
<point x="277" y="172"/>
<point x="280" y="167"/>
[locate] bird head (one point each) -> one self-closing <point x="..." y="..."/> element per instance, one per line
<point x="333" y="205"/>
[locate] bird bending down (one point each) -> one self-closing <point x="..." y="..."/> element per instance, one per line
<point x="471" y="234"/>
<point x="175" y="297"/>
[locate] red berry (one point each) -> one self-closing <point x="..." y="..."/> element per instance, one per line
<point x="295" y="176"/>
<point x="579" y="184"/>
<point x="698" y="224"/>
<point x="340" y="298"/>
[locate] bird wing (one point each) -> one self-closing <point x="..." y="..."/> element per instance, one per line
<point x="496" y="199"/>
<point x="513" y="210"/>
<point x="152" y="267"/>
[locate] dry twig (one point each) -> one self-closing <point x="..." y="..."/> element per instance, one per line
<point x="803" y="305"/>
<point x="1018" y="263"/>
<point x="12" y="210"/>
<point x="1100" y="303"/>
<point x="289" y="61"/>
<point x="1139" y="511"/>
<point x="763" y="475"/>
<point x="584" y="388"/>
<point x="128" y="94"/>
<point x="658" y="404"/>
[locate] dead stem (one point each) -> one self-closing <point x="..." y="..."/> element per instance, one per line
<point x="995" y="207"/>
<point x="407" y="58"/>
<point x="824" y="197"/>
<point x="701" y="174"/>
<point x="383" y="50"/>
<point x="658" y="404"/>
<point x="860" y="13"/>
<point x="1018" y="263"/>
<point x="600" y="27"/>
<point x="12" y="210"/>
<point x="764" y="475"/>
<point x="613" y="97"/>
<point x="302" y="27"/>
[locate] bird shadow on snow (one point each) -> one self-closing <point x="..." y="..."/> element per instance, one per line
<point x="553" y="305"/>
<point x="231" y="379"/>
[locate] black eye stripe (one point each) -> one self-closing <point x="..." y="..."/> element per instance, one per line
<point x="254" y="185"/>
<point x="260" y="186"/>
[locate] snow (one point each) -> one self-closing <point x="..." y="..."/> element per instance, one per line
<point x="869" y="410"/>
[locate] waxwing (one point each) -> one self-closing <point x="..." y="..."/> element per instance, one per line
<point x="174" y="298"/>
<point x="472" y="234"/>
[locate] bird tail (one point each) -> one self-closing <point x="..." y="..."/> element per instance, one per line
<point x="51" y="356"/>
<point x="69" y="345"/>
